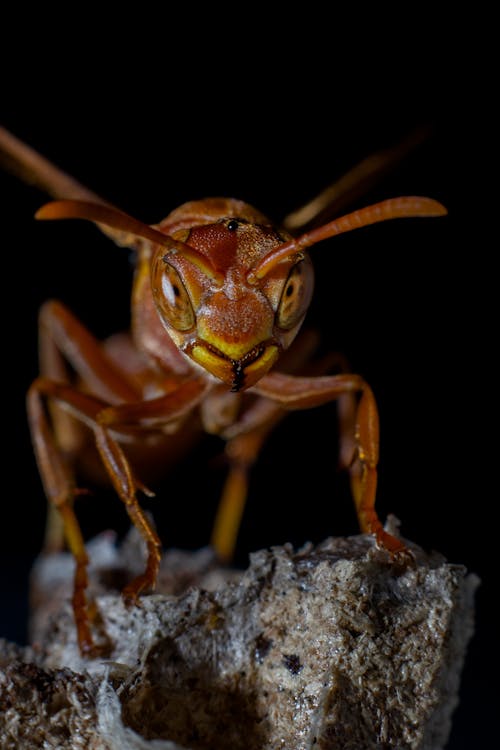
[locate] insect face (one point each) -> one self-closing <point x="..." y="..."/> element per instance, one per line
<point x="230" y="327"/>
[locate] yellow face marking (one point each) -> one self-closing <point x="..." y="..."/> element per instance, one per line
<point x="235" y="322"/>
<point x="230" y="349"/>
<point x="211" y="362"/>
<point x="258" y="368"/>
<point x="234" y="372"/>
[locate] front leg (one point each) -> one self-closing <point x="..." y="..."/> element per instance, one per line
<point x="66" y="347"/>
<point x="107" y="423"/>
<point x="303" y="392"/>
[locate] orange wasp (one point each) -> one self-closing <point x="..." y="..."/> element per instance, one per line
<point x="219" y="295"/>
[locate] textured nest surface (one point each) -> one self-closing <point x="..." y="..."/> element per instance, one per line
<point x="327" y="647"/>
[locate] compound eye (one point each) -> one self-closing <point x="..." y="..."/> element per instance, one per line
<point x="174" y="299"/>
<point x="296" y="296"/>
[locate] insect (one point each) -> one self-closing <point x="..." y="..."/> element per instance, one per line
<point x="219" y="295"/>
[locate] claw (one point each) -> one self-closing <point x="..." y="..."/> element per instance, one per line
<point x="399" y="553"/>
<point x="85" y="643"/>
<point x="130" y="593"/>
<point x="129" y="598"/>
<point x="404" y="559"/>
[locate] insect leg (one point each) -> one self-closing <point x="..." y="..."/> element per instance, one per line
<point x="103" y="420"/>
<point x="242" y="450"/>
<point x="64" y="341"/>
<point x="303" y="392"/>
<point x="133" y="417"/>
<point x="64" y="338"/>
<point x="245" y="439"/>
<point x="59" y="486"/>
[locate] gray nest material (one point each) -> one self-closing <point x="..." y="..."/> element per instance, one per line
<point x="326" y="648"/>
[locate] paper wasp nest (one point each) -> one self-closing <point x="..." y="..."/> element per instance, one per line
<point x="327" y="648"/>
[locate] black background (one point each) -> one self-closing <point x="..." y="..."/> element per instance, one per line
<point x="150" y="117"/>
